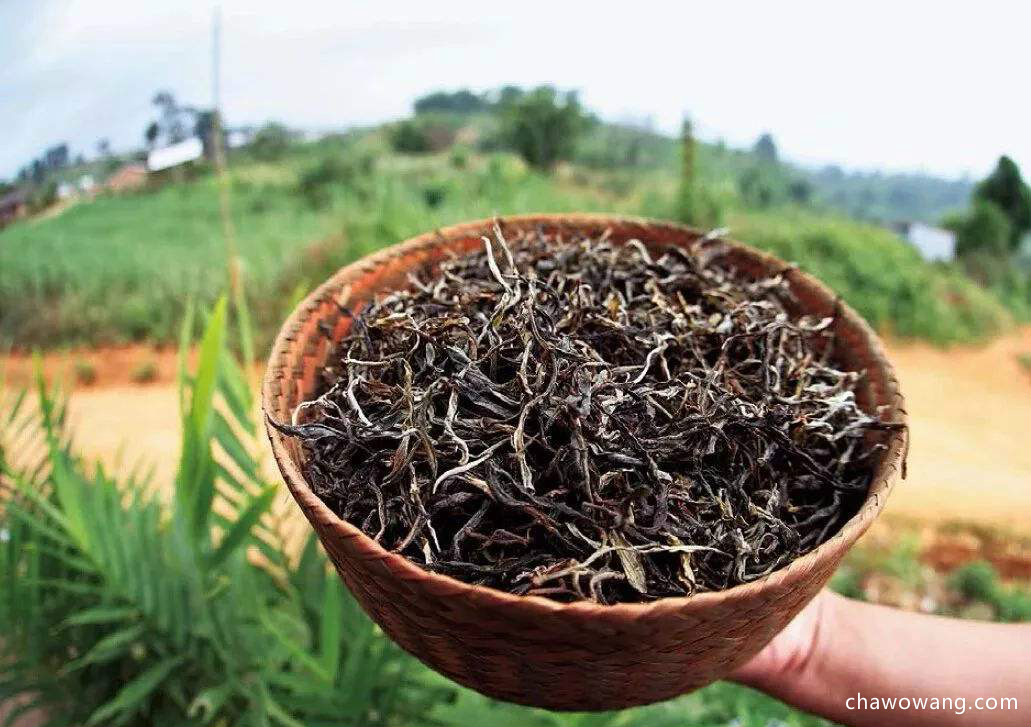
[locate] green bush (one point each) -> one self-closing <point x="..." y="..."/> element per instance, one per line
<point x="878" y="275"/>
<point x="407" y="137"/>
<point x="979" y="581"/>
<point x="270" y="143"/>
<point x="117" y="608"/>
<point x="349" y="169"/>
<point x="984" y="229"/>
<point x="543" y="126"/>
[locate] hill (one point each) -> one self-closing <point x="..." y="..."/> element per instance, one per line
<point x="123" y="268"/>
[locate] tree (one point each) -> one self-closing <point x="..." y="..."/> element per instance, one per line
<point x="687" y="194"/>
<point x="271" y="142"/>
<point x="1005" y="188"/>
<point x="174" y="118"/>
<point x="462" y="101"/>
<point x="407" y="137"/>
<point x="765" y="149"/>
<point x="983" y="230"/>
<point x="103" y="148"/>
<point x="543" y="125"/>
<point x="800" y="191"/>
<point x="759" y="186"/>
<point x="151" y="133"/>
<point x="56" y="157"/>
<point x="508" y="95"/>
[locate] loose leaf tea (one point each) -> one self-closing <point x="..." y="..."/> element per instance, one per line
<point x="584" y="420"/>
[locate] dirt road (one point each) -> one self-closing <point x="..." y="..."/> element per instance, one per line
<point x="970" y="410"/>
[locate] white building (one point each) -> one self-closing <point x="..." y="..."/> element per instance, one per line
<point x="933" y="243"/>
<point x="175" y="154"/>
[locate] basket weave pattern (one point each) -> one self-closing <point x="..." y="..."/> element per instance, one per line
<point x="531" y="650"/>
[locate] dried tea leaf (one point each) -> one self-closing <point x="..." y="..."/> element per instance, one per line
<point x="574" y="418"/>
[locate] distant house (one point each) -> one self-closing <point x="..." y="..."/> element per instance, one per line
<point x="933" y="243"/>
<point x="175" y="154"/>
<point x="237" y="138"/>
<point x="86" y="183"/>
<point x="13" y="206"/>
<point x="127" y="177"/>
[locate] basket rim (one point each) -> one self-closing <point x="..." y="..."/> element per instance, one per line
<point x="401" y="568"/>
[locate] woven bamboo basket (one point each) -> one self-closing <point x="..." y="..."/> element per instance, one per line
<point x="528" y="649"/>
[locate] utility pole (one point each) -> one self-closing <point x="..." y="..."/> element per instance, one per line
<point x="225" y="208"/>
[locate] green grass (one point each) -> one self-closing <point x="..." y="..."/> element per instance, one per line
<point x="123" y="268"/>
<point x="882" y="278"/>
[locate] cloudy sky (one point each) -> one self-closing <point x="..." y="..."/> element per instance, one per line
<point x="939" y="87"/>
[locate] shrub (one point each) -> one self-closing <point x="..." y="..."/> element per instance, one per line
<point x="983" y="229"/>
<point x="543" y="126"/>
<point x="145" y="372"/>
<point x="349" y="169"/>
<point x="459" y="157"/>
<point x="880" y="276"/>
<point x="1005" y="189"/>
<point x="434" y="194"/>
<point x="422" y="134"/>
<point x="408" y="137"/>
<point x="118" y="609"/>
<point x="85" y="372"/>
<point x="271" y="142"/>
<point x="979" y="581"/>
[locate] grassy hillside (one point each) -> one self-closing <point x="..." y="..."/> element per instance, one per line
<point x="123" y="268"/>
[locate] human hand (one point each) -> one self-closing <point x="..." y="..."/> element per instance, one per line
<point x="794" y="655"/>
<point x="931" y="670"/>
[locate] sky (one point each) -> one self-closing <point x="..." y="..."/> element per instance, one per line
<point x="938" y="87"/>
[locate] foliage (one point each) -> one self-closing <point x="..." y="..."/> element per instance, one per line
<point x="43" y="195"/>
<point x="1006" y="189"/>
<point x="407" y="137"/>
<point x="118" y="608"/>
<point x="884" y="197"/>
<point x="85" y="372"/>
<point x="270" y="143"/>
<point x="121" y="268"/>
<point x="424" y="133"/>
<point x="345" y="169"/>
<point x="543" y="126"/>
<point x="145" y="372"/>
<point x="765" y="149"/>
<point x="884" y="280"/>
<point x="984" y="228"/>
<point x="695" y="204"/>
<point x="462" y="101"/>
<point x="618" y="146"/>
<point x="979" y="581"/>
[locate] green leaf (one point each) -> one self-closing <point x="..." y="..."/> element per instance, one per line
<point x="331" y="628"/>
<point x="201" y="405"/>
<point x="110" y="647"/>
<point x="241" y="530"/>
<point x="195" y="480"/>
<point x="100" y="615"/>
<point x="237" y="394"/>
<point x="185" y="340"/>
<point x="231" y="445"/>
<point x="133" y="693"/>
